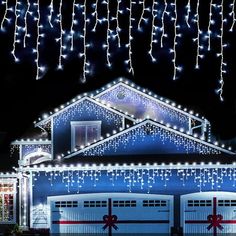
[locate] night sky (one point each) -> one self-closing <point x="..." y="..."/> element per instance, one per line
<point x="23" y="99"/>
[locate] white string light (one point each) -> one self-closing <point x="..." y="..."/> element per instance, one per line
<point x="72" y="32"/>
<point x="153" y="31"/>
<point x="26" y="26"/>
<point x="15" y="40"/>
<point x="197" y="39"/>
<point x="188" y="7"/>
<point x="232" y="13"/>
<point x="37" y="41"/>
<point x="163" y="34"/>
<point x="107" y="45"/>
<point x="174" y="44"/>
<point x="118" y="29"/>
<point x="60" y="39"/>
<point x="5" y="14"/>
<point x="221" y="54"/>
<point x="209" y="26"/>
<point x="129" y="45"/>
<point x="142" y="14"/>
<point x="85" y="45"/>
<point x="50" y="14"/>
<point x="95" y="13"/>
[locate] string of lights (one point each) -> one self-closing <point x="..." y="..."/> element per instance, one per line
<point x="129" y="45"/>
<point x="188" y="7"/>
<point x="163" y="22"/>
<point x="25" y="22"/>
<point x="232" y="13"/>
<point x="141" y="11"/>
<point x="153" y="31"/>
<point x="15" y="40"/>
<point x="95" y="13"/>
<point x="72" y="32"/>
<point x="209" y="26"/>
<point x="221" y="54"/>
<point x="50" y="14"/>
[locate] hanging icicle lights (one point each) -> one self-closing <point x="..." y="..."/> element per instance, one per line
<point x="122" y="21"/>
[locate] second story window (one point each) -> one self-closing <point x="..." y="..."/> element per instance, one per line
<point x="84" y="132"/>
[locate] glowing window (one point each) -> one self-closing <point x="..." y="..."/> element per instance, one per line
<point x="7" y="209"/>
<point x="84" y="132"/>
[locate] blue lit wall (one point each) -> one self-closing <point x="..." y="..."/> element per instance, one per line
<point x="149" y="139"/>
<point x="171" y="182"/>
<point x="82" y="111"/>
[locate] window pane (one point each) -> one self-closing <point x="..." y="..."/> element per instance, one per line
<point x="80" y="137"/>
<point x="8" y="207"/>
<point x="92" y="133"/>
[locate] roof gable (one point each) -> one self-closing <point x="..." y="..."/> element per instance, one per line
<point x="149" y="137"/>
<point x="70" y="106"/>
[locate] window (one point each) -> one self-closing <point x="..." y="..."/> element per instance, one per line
<point x="199" y="203"/>
<point x="84" y="132"/>
<point x="154" y="203"/>
<point x="95" y="203"/>
<point x="126" y="203"/>
<point x="7" y="209"/>
<point x="66" y="204"/>
<point x="226" y="202"/>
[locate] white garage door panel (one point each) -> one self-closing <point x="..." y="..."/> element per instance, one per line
<point x="209" y="213"/>
<point x="112" y="213"/>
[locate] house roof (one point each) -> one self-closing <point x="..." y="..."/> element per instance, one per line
<point x="94" y="96"/>
<point x="57" y="111"/>
<point x="215" y="145"/>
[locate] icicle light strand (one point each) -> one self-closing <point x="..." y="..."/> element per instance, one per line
<point x="174" y="44"/>
<point x="5" y="14"/>
<point x="15" y="32"/>
<point x="108" y="35"/>
<point x="130" y="63"/>
<point x="142" y="14"/>
<point x="37" y="41"/>
<point x="198" y="35"/>
<point x="209" y="26"/>
<point x="118" y="29"/>
<point x="50" y="14"/>
<point x="163" y="22"/>
<point x="95" y="13"/>
<point x="232" y="13"/>
<point x="72" y="32"/>
<point x="221" y="54"/>
<point x="60" y="39"/>
<point x="188" y="7"/>
<point x="152" y="32"/>
<point x="26" y="26"/>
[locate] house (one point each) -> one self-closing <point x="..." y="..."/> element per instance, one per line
<point x="121" y="160"/>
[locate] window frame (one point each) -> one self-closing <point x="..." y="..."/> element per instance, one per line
<point x="75" y="124"/>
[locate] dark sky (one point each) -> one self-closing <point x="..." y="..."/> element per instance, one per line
<point x="23" y="99"/>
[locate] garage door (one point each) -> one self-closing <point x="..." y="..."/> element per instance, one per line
<point x="211" y="213"/>
<point x="111" y="213"/>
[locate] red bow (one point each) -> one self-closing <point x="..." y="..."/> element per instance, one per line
<point x="110" y="221"/>
<point x="215" y="221"/>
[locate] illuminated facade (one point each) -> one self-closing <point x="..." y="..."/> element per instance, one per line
<point x="115" y="150"/>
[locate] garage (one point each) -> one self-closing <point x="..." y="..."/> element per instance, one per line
<point x="111" y="213"/>
<point x="211" y="213"/>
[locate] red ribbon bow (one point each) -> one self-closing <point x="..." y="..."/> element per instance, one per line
<point x="215" y="221"/>
<point x="110" y="221"/>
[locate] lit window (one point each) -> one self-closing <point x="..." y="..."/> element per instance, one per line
<point x="84" y="132"/>
<point x="7" y="210"/>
